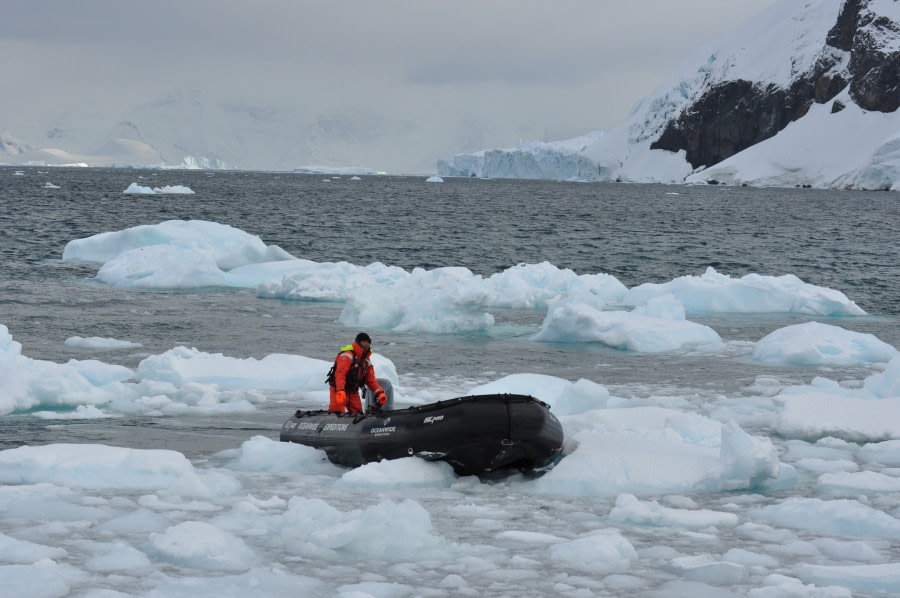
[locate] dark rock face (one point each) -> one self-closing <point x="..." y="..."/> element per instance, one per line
<point x="734" y="115"/>
<point x="727" y="119"/>
<point x="841" y="35"/>
<point x="876" y="73"/>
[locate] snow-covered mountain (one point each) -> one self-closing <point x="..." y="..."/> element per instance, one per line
<point x="10" y="145"/>
<point x="803" y="93"/>
<point x="189" y="128"/>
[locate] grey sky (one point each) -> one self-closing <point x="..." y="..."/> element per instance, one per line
<point x="555" y="69"/>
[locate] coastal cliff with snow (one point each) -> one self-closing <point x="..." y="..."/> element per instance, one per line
<point x="802" y="94"/>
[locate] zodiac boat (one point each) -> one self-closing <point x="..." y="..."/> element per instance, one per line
<point x="474" y="434"/>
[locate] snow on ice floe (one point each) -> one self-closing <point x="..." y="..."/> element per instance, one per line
<point x="824" y="408"/>
<point x="181" y="366"/>
<point x="649" y="451"/>
<point x="656" y="327"/>
<point x="172" y="254"/>
<point x="99" y="466"/>
<point x="442" y="300"/>
<point x="180" y="380"/>
<point x="815" y="343"/>
<point x="192" y="254"/>
<point x="262" y="454"/>
<point x="713" y="292"/>
<point x="842" y="517"/>
<point x="201" y="545"/>
<point x="135" y="189"/>
<point x="99" y="343"/>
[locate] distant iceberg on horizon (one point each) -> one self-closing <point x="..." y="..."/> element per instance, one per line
<point x="337" y="170"/>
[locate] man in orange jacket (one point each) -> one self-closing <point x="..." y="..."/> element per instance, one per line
<point x="352" y="371"/>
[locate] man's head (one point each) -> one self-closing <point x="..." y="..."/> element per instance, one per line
<point x="363" y="340"/>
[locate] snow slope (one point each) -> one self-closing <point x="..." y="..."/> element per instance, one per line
<point x="835" y="144"/>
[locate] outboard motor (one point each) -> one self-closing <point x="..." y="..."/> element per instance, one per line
<point x="369" y="396"/>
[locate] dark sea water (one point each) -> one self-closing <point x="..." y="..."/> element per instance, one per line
<point x="638" y="233"/>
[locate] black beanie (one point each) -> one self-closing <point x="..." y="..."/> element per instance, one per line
<point x="362" y="336"/>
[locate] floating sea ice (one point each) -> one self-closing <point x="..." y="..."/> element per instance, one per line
<point x="844" y="517"/>
<point x="886" y="453"/>
<point x="386" y="531"/>
<point x="564" y="397"/>
<point x="262" y="454"/>
<point x="631" y="511"/>
<point x="26" y="383"/>
<point x="875" y="580"/>
<point x="181" y="366"/>
<point x="754" y="293"/>
<point x="94" y="466"/>
<point x="203" y="546"/>
<point x="114" y="556"/>
<point x="99" y="343"/>
<point x="50" y="185"/>
<point x="815" y="343"/>
<point x="259" y="581"/>
<point x="81" y="412"/>
<point x="705" y="568"/>
<point x="655" y="328"/>
<point x="328" y="281"/>
<point x="885" y="384"/>
<point x="434" y="179"/>
<point x="443" y="300"/>
<point x="854" y="483"/>
<point x="227" y="246"/>
<point x="174" y="190"/>
<point x="410" y="472"/>
<point x="781" y="586"/>
<point x="599" y="553"/>
<point x="13" y="550"/>
<point x="649" y="451"/>
<point x="56" y="579"/>
<point x="162" y="267"/>
<point x="824" y="408"/>
<point x="534" y="286"/>
<point x="136" y="189"/>
<point x="7" y="344"/>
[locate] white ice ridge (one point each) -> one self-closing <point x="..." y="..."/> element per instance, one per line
<point x="99" y="343"/>
<point x="713" y="292"/>
<point x="191" y="254"/>
<point x="815" y="343"/>
<point x="136" y="189"/>
<point x="172" y="254"/>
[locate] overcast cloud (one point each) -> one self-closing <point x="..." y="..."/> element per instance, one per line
<point x="543" y="69"/>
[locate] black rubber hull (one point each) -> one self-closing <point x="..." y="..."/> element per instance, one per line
<point x="473" y="434"/>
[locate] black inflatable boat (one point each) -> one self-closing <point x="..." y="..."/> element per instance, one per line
<point x="475" y="435"/>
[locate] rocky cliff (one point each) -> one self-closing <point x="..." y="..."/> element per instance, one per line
<point x="861" y="50"/>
